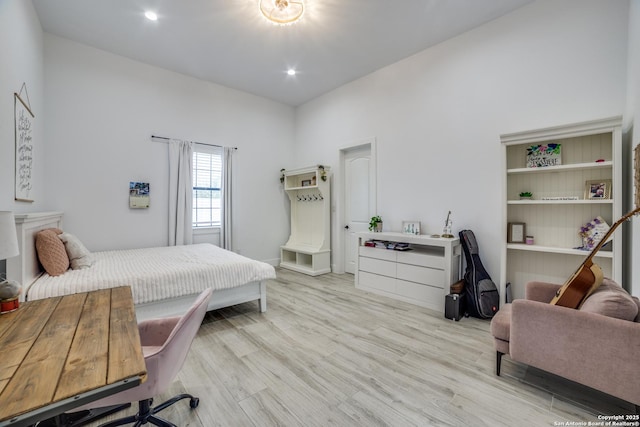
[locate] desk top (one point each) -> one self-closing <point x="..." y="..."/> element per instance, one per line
<point x="54" y="349"/>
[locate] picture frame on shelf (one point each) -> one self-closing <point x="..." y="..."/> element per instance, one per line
<point x="516" y="232"/>
<point x="543" y="155"/>
<point x="597" y="189"/>
<point x="306" y="182"/>
<point x="411" y="227"/>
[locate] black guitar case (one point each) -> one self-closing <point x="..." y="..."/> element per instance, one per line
<point x="481" y="295"/>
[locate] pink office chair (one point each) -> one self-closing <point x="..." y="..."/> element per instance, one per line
<point x="165" y="344"/>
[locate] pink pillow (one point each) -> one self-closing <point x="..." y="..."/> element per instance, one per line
<point x="51" y="252"/>
<point x="610" y="299"/>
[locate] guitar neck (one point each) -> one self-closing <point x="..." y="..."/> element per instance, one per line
<point x="602" y="242"/>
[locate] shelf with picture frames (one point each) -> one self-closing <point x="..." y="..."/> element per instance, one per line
<point x="564" y="198"/>
<point x="556" y="250"/>
<point x="561" y="202"/>
<point x="559" y="168"/>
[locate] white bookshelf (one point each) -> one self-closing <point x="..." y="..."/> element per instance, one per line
<point x="590" y="151"/>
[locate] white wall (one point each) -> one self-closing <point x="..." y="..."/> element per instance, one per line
<point x="632" y="121"/>
<point x="20" y="62"/>
<point x="438" y="116"/>
<point x="101" y="110"/>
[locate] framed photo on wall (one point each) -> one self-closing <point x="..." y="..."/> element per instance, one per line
<point x="516" y="232"/>
<point x="597" y="189"/>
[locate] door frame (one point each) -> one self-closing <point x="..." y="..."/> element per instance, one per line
<point x="339" y="249"/>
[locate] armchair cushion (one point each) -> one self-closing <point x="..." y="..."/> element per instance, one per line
<point x="611" y="300"/>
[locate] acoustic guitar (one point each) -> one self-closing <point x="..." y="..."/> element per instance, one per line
<point x="588" y="276"/>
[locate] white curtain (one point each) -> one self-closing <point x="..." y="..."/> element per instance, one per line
<point x="225" y="219"/>
<point x="180" y="192"/>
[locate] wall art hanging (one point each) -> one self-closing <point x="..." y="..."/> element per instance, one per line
<point x="24" y="120"/>
<point x="138" y="195"/>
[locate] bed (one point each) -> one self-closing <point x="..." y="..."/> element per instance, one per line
<point x="164" y="280"/>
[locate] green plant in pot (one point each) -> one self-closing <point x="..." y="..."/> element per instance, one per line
<point x="526" y="195"/>
<point x="375" y="224"/>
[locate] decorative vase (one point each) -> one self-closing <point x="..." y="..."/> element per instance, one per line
<point x="378" y="228"/>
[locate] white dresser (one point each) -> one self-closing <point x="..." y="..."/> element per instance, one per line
<point x="420" y="276"/>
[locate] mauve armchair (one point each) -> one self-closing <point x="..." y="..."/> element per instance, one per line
<point x="165" y="345"/>
<point x="586" y="347"/>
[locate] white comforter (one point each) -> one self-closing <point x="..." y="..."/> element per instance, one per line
<point x="157" y="273"/>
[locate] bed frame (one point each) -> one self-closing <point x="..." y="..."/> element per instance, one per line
<point x="26" y="269"/>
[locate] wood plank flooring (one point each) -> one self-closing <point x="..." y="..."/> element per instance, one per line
<point x="327" y="354"/>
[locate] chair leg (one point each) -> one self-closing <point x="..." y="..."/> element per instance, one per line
<point x="146" y="413"/>
<point x="498" y="362"/>
<point x="160" y="422"/>
<point x="193" y="402"/>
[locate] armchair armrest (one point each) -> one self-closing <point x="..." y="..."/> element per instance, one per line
<point x="541" y="291"/>
<point x="591" y="349"/>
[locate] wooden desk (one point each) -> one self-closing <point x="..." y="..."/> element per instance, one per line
<point x="60" y="353"/>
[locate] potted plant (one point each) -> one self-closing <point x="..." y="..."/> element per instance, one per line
<point x="282" y="176"/>
<point x="526" y="195"/>
<point x="375" y="224"/>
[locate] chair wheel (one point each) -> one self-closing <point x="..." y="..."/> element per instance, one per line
<point x="194" y="402"/>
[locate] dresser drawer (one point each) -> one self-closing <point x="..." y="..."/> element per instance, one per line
<point x="427" y="296"/>
<point x="378" y="253"/>
<point x="423" y="275"/>
<point x="422" y="259"/>
<point x="383" y="283"/>
<point x="377" y="266"/>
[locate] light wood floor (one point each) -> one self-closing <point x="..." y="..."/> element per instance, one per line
<point x="327" y="354"/>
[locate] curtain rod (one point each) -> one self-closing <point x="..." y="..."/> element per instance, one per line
<point x="195" y="142"/>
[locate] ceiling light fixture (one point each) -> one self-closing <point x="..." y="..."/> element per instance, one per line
<point x="282" y="12"/>
<point x="151" y="16"/>
<point x="291" y="72"/>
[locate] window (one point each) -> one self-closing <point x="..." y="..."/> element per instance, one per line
<point x="207" y="186"/>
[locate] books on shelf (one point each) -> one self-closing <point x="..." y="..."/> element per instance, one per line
<point x="385" y="244"/>
<point x="561" y="198"/>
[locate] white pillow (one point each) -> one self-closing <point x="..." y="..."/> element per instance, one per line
<point x="79" y="255"/>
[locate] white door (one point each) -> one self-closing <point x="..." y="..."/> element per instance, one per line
<point x="359" y="194"/>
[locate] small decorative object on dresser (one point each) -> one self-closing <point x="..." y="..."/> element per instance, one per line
<point x="375" y="224"/>
<point x="446" y="230"/>
<point x="411" y="227"/>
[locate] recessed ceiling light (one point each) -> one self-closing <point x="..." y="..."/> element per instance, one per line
<point x="291" y="72"/>
<point x="151" y="16"/>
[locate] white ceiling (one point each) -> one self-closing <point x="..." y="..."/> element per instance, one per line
<point x="229" y="43"/>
